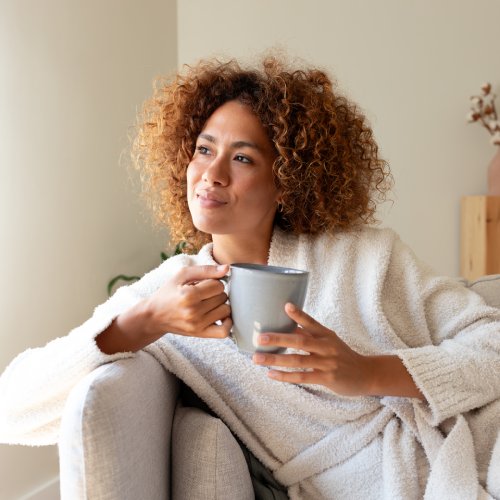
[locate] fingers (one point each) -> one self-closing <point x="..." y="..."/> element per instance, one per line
<point x="192" y="321"/>
<point x="206" y="301"/>
<point x="206" y="285"/>
<point x="206" y="289"/>
<point x="218" y="331"/>
<point x="302" y="361"/>
<point x="192" y="301"/>
<point x="193" y="274"/>
<point x="310" y="369"/>
<point x="312" y="377"/>
<point x="211" y="303"/>
<point x="220" y="313"/>
<point x="300" y="340"/>
<point x="303" y="319"/>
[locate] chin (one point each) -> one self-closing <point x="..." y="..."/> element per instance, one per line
<point x="210" y="227"/>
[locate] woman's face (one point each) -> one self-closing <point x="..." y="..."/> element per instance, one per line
<point x="230" y="184"/>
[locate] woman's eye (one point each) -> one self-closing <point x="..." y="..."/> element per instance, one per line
<point x="202" y="149"/>
<point x="243" y="159"/>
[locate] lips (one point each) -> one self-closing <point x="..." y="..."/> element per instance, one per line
<point x="208" y="199"/>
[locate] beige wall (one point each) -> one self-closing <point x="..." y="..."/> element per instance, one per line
<point x="411" y="65"/>
<point x="72" y="75"/>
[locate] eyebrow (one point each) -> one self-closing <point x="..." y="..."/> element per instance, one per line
<point x="237" y="144"/>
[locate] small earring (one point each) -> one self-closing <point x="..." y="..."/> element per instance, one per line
<point x="280" y="206"/>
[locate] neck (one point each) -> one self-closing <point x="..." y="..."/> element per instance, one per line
<point x="229" y="249"/>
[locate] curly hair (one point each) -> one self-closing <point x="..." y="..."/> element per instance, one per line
<point x="327" y="165"/>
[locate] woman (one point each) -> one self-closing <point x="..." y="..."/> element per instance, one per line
<point x="373" y="398"/>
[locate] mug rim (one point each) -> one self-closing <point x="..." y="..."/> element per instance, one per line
<point x="283" y="270"/>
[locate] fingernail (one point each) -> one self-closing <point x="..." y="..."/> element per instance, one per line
<point x="259" y="358"/>
<point x="291" y="307"/>
<point x="221" y="267"/>
<point x="263" y="339"/>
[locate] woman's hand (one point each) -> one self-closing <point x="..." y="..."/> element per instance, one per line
<point x="332" y="363"/>
<point x="189" y="303"/>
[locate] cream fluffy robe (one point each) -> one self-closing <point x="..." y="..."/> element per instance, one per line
<point x="368" y="287"/>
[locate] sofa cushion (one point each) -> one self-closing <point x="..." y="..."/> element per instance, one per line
<point x="488" y="287"/>
<point x="115" y="432"/>
<point x="207" y="461"/>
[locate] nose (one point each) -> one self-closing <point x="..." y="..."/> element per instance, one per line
<point x="216" y="172"/>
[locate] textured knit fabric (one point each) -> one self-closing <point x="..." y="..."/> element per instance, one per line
<point x="207" y="462"/>
<point x="114" y="437"/>
<point x="264" y="485"/>
<point x="369" y="288"/>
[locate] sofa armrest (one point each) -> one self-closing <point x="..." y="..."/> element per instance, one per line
<point x="116" y="430"/>
<point x="488" y="287"/>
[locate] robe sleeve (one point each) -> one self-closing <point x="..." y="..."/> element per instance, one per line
<point x="35" y="385"/>
<point x="454" y="353"/>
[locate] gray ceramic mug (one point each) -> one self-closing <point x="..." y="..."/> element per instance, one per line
<point x="257" y="296"/>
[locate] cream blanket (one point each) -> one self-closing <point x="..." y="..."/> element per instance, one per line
<point x="368" y="287"/>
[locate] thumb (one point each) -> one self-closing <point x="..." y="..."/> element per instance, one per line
<point x="303" y="319"/>
<point x="192" y="274"/>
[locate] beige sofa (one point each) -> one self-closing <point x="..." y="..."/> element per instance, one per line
<point x="124" y="436"/>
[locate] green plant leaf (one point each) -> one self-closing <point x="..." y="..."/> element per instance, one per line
<point x="179" y="247"/>
<point x="112" y="283"/>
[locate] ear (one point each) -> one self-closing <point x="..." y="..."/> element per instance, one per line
<point x="279" y="202"/>
<point x="279" y="196"/>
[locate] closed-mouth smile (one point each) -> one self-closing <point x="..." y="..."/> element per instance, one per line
<point x="208" y="199"/>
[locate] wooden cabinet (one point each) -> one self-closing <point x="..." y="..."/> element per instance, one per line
<point x="480" y="236"/>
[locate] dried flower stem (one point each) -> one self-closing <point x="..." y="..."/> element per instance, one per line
<point x="483" y="110"/>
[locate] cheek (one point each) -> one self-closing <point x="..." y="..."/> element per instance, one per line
<point x="262" y="197"/>
<point x="267" y="191"/>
